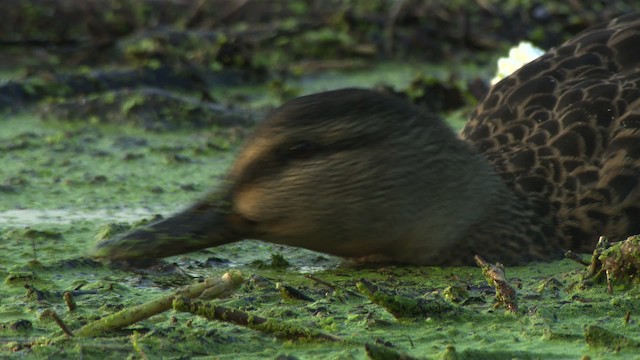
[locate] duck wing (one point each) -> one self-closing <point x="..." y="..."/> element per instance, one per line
<point x="563" y="132"/>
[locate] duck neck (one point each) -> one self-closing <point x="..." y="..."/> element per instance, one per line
<point x="511" y="227"/>
<point x="513" y="230"/>
<point x="476" y="213"/>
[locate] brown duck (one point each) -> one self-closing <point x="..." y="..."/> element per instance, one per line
<point x="549" y="160"/>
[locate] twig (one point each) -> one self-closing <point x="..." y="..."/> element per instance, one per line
<point x="402" y="306"/>
<point x="292" y="293"/>
<point x="137" y="346"/>
<point x="575" y="257"/>
<point x="68" y="299"/>
<point x="320" y="281"/>
<point x="331" y="285"/>
<point x="40" y="296"/>
<point x="595" y="270"/>
<point x="505" y="294"/>
<point x="270" y="326"/>
<point x="208" y="289"/>
<point x="52" y="314"/>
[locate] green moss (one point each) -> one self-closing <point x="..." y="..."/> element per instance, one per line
<point x="470" y="354"/>
<point x="455" y="293"/>
<point x="55" y="204"/>
<point x="20" y="277"/>
<point x="599" y="337"/>
<point x="402" y="306"/>
<point x="275" y="327"/>
<point x="381" y="352"/>
<point x="110" y="230"/>
<point x="278" y="261"/>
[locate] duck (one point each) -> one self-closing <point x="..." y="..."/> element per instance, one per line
<point x="548" y="161"/>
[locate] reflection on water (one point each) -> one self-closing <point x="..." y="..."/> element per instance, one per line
<point x="67" y="216"/>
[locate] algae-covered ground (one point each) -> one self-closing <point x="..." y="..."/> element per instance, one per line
<point x="81" y="159"/>
<point x="62" y="183"/>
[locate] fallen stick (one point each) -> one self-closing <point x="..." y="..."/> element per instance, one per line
<point x="575" y="257"/>
<point x="289" y="292"/>
<point x="403" y="306"/>
<point x="208" y="289"/>
<point x="270" y="326"/>
<point x="331" y="285"/>
<point x="68" y="299"/>
<point x="505" y="294"/>
<point x="52" y="314"/>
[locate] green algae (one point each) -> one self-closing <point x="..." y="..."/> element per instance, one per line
<point x="480" y="330"/>
<point x="72" y="182"/>
<point x="402" y="306"/>
<point x="599" y="337"/>
<point x="269" y="326"/>
<point x="505" y="293"/>
<point x="208" y="289"/>
<point x="83" y="167"/>
<point x="381" y="352"/>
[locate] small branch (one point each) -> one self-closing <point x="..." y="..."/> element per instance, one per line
<point x="402" y="306"/>
<point x="40" y="295"/>
<point x="137" y="346"/>
<point x="505" y="294"/>
<point x="595" y="270"/>
<point x="320" y="281"/>
<point x="290" y="292"/>
<point x="68" y="299"/>
<point x="208" y="289"/>
<point x="52" y="314"/>
<point x="331" y="285"/>
<point x="575" y="257"/>
<point x="269" y="326"/>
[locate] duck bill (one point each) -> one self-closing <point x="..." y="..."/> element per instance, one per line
<point x="201" y="226"/>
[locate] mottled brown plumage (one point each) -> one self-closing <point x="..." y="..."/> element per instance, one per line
<point x="563" y="130"/>
<point x="549" y="160"/>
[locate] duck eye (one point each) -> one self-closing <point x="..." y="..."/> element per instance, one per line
<point x="299" y="150"/>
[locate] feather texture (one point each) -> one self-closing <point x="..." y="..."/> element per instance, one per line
<point x="564" y="130"/>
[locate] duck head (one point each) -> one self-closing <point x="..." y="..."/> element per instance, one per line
<point x="350" y="172"/>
